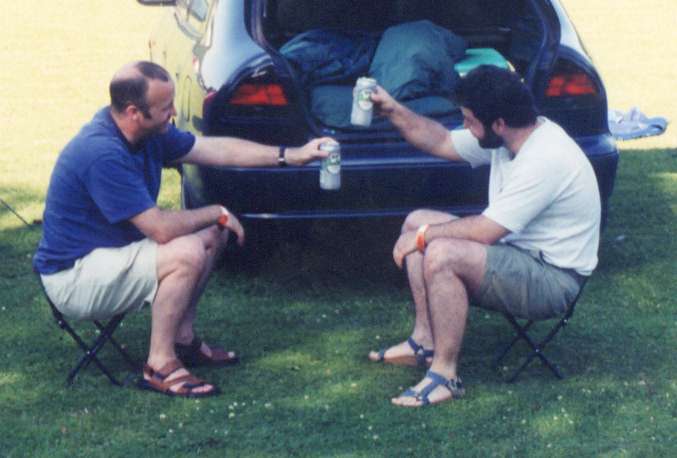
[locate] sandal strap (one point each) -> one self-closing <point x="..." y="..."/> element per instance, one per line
<point x="164" y="372"/>
<point x="382" y="354"/>
<point x="414" y="345"/>
<point x="192" y="354"/>
<point x="159" y="378"/>
<point x="420" y="353"/>
<point x="454" y="385"/>
<point x="189" y="383"/>
<point x="194" y="346"/>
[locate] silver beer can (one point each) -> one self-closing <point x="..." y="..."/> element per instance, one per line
<point x="330" y="171"/>
<point x="363" y="107"/>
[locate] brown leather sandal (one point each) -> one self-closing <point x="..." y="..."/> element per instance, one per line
<point x="156" y="382"/>
<point x="191" y="355"/>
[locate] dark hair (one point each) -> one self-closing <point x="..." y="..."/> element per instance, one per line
<point x="131" y="90"/>
<point x="491" y="92"/>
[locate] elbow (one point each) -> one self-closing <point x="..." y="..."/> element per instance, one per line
<point x="162" y="239"/>
<point x="488" y="237"/>
<point x="160" y="235"/>
<point x="486" y="240"/>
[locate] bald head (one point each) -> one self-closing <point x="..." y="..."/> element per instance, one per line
<point x="129" y="85"/>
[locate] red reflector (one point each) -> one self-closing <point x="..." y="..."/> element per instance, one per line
<point x="570" y="85"/>
<point x="259" y="94"/>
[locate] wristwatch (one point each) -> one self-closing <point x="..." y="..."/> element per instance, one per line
<point x="281" y="160"/>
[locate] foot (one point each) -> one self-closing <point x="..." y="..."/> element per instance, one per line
<point x="198" y="353"/>
<point x="407" y="353"/>
<point x="174" y="380"/>
<point x="433" y="389"/>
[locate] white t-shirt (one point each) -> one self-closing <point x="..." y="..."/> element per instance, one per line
<point x="546" y="196"/>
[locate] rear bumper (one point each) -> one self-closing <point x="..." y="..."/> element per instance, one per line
<point x="367" y="190"/>
<point x="392" y="184"/>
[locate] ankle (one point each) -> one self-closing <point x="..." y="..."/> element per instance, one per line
<point x="423" y="339"/>
<point x="158" y="361"/>
<point x="184" y="338"/>
<point x="446" y="370"/>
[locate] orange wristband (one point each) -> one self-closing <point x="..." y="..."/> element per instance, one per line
<point x="223" y="218"/>
<point x="420" y="237"/>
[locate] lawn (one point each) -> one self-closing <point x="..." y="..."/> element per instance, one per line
<point x="305" y="320"/>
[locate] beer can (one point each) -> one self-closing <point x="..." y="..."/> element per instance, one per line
<point x="330" y="171"/>
<point x="363" y="107"/>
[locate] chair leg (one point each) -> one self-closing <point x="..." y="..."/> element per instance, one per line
<point x="134" y="365"/>
<point x="536" y="347"/>
<point x="537" y="350"/>
<point x="91" y="351"/>
<point x="502" y="354"/>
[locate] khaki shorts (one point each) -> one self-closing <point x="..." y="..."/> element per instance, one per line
<point x="106" y="282"/>
<point x="519" y="282"/>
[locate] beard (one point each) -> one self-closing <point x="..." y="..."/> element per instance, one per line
<point x="490" y="139"/>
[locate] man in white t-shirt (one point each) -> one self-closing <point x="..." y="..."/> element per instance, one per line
<point x="529" y="251"/>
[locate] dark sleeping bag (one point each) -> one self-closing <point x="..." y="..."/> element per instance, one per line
<point x="416" y="59"/>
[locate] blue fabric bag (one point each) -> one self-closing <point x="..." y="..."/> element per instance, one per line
<point x="322" y="56"/>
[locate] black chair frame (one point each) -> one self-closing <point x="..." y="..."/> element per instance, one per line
<point x="91" y="351"/>
<point x="537" y="347"/>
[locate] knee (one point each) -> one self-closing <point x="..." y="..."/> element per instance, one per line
<point x="413" y="221"/>
<point x="444" y="256"/>
<point x="214" y="240"/>
<point x="190" y="254"/>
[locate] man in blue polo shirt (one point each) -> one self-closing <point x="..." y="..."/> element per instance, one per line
<point x="106" y="246"/>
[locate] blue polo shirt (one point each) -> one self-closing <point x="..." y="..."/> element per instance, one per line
<point x="99" y="182"/>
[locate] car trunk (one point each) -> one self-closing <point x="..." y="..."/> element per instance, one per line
<point x="499" y="32"/>
<point x="381" y="173"/>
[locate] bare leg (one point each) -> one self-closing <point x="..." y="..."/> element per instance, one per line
<point x="180" y="264"/>
<point x="214" y="241"/>
<point x="453" y="270"/>
<point x="422" y="332"/>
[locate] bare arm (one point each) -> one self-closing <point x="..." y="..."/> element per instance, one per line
<point x="230" y="151"/>
<point x="477" y="228"/>
<point x="163" y="226"/>
<point x="424" y="133"/>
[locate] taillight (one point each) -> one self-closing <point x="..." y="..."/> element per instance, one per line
<point x="570" y="81"/>
<point x="574" y="98"/>
<point x="258" y="107"/>
<point x="259" y="94"/>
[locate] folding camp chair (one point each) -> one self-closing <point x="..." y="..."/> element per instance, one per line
<point x="90" y="351"/>
<point x="537" y="347"/>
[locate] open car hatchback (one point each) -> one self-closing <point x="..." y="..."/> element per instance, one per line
<point x="282" y="72"/>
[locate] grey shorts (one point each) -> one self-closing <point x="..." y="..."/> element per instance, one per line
<point x="519" y="282"/>
<point x="106" y="282"/>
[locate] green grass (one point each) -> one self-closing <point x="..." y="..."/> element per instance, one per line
<point x="306" y="319"/>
